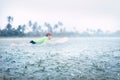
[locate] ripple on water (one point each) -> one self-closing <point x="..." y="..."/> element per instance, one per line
<point x="77" y="59"/>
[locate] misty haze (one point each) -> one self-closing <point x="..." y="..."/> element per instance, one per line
<point x="59" y="40"/>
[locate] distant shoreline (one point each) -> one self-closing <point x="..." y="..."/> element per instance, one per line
<point x="63" y="36"/>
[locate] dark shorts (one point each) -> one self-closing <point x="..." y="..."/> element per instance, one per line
<point x="32" y="42"/>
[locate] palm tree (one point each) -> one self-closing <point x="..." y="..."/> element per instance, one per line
<point x="10" y="19"/>
<point x="9" y="26"/>
<point x="30" y="23"/>
<point x="23" y="28"/>
<point x="60" y="23"/>
<point x="35" y="25"/>
<point x="49" y="27"/>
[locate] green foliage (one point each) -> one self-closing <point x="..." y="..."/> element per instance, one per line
<point x="56" y="29"/>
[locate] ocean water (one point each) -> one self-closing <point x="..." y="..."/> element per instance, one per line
<point x="75" y="59"/>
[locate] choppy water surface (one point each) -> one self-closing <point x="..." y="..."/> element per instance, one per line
<point x="76" y="59"/>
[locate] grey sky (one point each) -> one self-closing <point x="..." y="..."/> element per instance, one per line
<point x="82" y="14"/>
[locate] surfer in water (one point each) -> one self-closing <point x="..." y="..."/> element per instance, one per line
<point x="47" y="37"/>
<point x="44" y="39"/>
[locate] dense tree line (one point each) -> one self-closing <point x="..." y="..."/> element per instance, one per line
<point x="34" y="29"/>
<point x="23" y="30"/>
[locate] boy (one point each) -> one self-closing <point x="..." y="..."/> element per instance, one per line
<point x="42" y="40"/>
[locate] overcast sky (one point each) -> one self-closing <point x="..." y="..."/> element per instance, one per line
<point x="82" y="14"/>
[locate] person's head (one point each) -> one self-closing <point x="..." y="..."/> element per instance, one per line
<point x="49" y="35"/>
